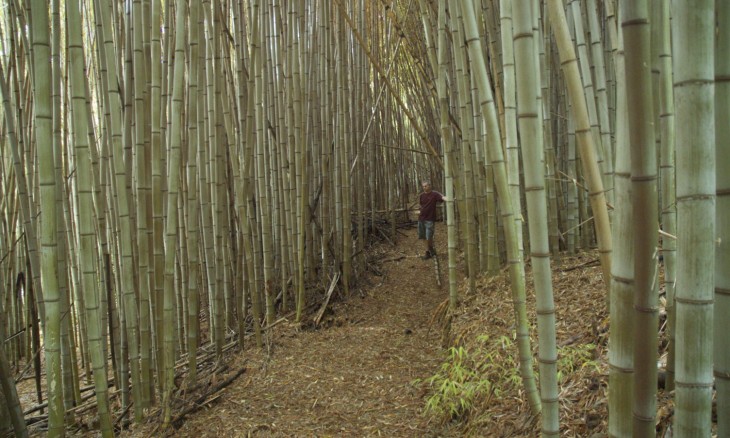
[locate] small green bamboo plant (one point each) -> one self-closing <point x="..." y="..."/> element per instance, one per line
<point x="456" y="386"/>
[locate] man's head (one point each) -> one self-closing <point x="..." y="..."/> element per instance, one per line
<point x="426" y="186"/>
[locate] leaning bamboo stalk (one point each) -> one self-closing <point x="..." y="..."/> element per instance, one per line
<point x="546" y="99"/>
<point x="27" y="209"/>
<point x="611" y="30"/>
<point x="496" y="157"/>
<point x="510" y="114"/>
<point x="395" y="94"/>
<point x="7" y="383"/>
<point x="8" y="387"/>
<point x="599" y="69"/>
<point x="575" y="14"/>
<point x="584" y="135"/>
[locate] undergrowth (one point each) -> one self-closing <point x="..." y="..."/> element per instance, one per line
<point x="470" y="376"/>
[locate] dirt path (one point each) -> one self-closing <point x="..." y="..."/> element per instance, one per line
<point x="353" y="378"/>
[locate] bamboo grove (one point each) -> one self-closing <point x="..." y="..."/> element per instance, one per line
<point x="177" y="176"/>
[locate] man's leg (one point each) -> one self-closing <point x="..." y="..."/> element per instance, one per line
<point x="430" y="228"/>
<point x="423" y="234"/>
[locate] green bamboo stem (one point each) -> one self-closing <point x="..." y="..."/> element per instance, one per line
<point x="584" y="136"/>
<point x="621" y="339"/>
<point x="721" y="350"/>
<point x="42" y="125"/>
<point x="496" y="157"/>
<point x="530" y="128"/>
<point x="175" y="141"/>
<point x="693" y="34"/>
<point x="668" y="182"/>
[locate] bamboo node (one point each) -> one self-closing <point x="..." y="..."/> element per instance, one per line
<point x="724" y="375"/>
<point x="695" y="197"/>
<point x="722" y="291"/>
<point x="623" y="280"/>
<point x="649" y="309"/>
<point x="696" y="385"/>
<point x="635" y="22"/>
<point x="619" y="369"/>
<point x="693" y="301"/>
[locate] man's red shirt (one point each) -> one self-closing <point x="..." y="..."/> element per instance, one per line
<point x="428" y="205"/>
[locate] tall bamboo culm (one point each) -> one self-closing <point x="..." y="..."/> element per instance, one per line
<point x="668" y="181"/>
<point x="88" y="259"/>
<point x="721" y="351"/>
<point x="693" y="33"/>
<point x="531" y="136"/>
<point x="447" y="141"/>
<point x="50" y="301"/>
<point x="496" y="157"/>
<point x="175" y="140"/>
<point x="637" y="43"/>
<point x="621" y="339"/>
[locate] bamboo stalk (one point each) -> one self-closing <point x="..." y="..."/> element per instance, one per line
<point x="583" y="133"/>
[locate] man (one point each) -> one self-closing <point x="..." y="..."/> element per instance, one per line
<point x="428" y="200"/>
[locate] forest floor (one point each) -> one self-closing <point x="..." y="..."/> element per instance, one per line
<point x="353" y="375"/>
<point x="364" y="370"/>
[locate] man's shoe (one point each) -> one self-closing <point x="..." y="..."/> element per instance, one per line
<point x="427" y="256"/>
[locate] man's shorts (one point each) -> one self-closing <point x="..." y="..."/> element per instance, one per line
<point x="425" y="230"/>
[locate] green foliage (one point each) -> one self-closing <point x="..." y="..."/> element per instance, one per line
<point x="489" y="368"/>
<point x="466" y="376"/>
<point x="456" y="387"/>
<point x="572" y="358"/>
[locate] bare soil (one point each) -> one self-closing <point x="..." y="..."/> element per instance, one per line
<point x="353" y="375"/>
